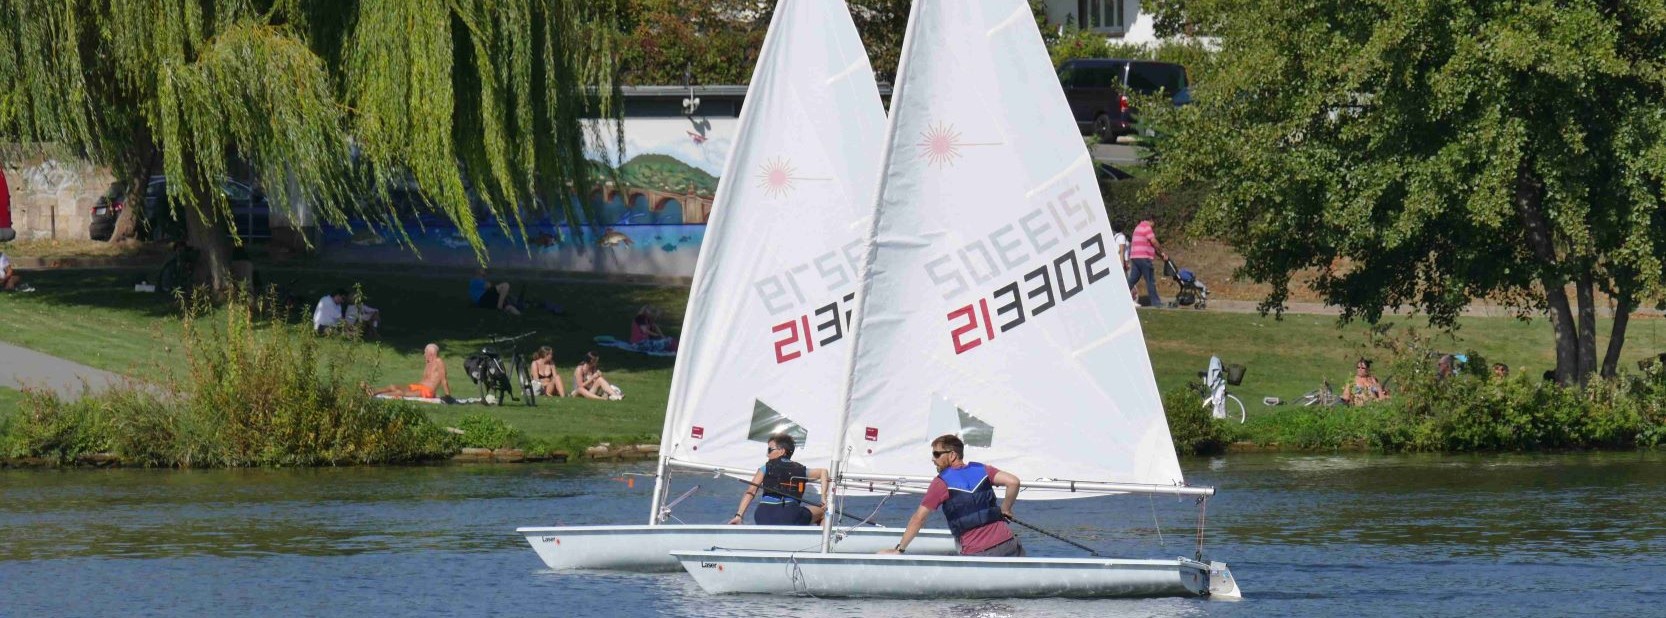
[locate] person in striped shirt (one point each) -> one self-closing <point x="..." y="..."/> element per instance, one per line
<point x="1142" y="249"/>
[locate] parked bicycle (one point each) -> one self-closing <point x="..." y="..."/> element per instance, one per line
<point x="500" y="380"/>
<point x="1215" y="397"/>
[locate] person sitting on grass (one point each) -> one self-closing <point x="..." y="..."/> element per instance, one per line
<point x="10" y="281"/>
<point x="645" y="332"/>
<point x="433" y="378"/>
<point x="589" y="383"/>
<point x="334" y="312"/>
<point x="545" y="378"/>
<point x="487" y="295"/>
<point x="1501" y="371"/>
<point x="1365" y="387"/>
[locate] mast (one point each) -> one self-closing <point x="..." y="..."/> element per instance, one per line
<point x="668" y="432"/>
<point x="841" y="448"/>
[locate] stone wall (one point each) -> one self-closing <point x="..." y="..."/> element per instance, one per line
<point x="53" y="199"/>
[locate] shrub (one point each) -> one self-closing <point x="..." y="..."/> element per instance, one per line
<point x="1194" y="430"/>
<point x="254" y="394"/>
<point x="482" y="431"/>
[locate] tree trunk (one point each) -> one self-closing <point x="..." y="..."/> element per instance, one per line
<point x="138" y="173"/>
<point x="1585" y="289"/>
<point x="212" y="239"/>
<point x="1529" y="195"/>
<point x="1617" y="335"/>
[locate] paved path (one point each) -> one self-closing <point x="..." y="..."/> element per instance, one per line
<point x="20" y="367"/>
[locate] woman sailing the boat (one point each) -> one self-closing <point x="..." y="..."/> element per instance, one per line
<point x="781" y="481"/>
<point x="966" y="494"/>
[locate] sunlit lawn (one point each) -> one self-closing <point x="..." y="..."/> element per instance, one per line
<point x="94" y="317"/>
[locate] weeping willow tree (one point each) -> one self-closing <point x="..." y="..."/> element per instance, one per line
<point x="328" y="101"/>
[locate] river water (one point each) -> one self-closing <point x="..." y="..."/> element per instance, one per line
<point x="1356" y="535"/>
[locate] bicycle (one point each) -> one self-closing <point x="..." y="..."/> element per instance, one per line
<point x="179" y="271"/>
<point x="487" y="369"/>
<point x="1214" y="392"/>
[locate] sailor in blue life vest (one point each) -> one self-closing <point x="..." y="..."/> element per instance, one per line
<point x="966" y="492"/>
<point x="781" y="481"/>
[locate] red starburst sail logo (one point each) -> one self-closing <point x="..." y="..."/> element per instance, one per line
<point x="940" y="144"/>
<point x="776" y="177"/>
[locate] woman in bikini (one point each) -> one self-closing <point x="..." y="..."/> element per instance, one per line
<point x="545" y="378"/>
<point x="589" y="383"/>
<point x="1365" y="388"/>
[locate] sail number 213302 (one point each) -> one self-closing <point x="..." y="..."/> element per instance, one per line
<point x="1044" y="287"/>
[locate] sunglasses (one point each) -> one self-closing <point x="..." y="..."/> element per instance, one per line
<point x="771" y="449"/>
<point x="936" y="454"/>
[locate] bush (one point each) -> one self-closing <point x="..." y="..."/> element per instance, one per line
<point x="1194" y="430"/>
<point x="254" y="394"/>
<point x="482" y="431"/>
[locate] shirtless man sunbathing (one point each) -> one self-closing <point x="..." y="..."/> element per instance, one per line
<point x="433" y="378"/>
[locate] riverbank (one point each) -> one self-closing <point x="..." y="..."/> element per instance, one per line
<point x="113" y="328"/>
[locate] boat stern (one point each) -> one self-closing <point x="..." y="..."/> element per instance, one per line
<point x="1222" y="586"/>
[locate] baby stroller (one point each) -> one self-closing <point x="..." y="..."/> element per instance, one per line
<point x="1193" y="293"/>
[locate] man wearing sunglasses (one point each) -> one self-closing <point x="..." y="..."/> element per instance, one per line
<point x="781" y="481"/>
<point x="965" y="491"/>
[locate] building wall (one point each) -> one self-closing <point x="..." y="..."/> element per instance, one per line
<point x="1058" y="11"/>
<point x="53" y="199"/>
<point x="653" y="220"/>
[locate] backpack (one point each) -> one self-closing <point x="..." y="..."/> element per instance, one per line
<point x="477" y="367"/>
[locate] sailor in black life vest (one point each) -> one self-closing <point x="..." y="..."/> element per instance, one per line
<point x="782" y="484"/>
<point x="966" y="492"/>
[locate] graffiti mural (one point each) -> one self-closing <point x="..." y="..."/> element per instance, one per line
<point x="652" y="210"/>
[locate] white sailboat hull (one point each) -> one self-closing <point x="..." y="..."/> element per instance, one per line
<point x="912" y="576"/>
<point x="648" y="548"/>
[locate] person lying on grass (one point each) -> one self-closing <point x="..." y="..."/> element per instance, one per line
<point x="589" y="383"/>
<point x="487" y="295"/>
<point x="433" y="378"/>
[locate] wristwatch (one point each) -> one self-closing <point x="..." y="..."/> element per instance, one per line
<point x="900" y="549"/>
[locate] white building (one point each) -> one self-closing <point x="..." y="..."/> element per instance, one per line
<point x="1114" y="18"/>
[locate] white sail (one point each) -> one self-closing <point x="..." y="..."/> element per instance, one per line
<point x="765" y="340"/>
<point x="995" y="307"/>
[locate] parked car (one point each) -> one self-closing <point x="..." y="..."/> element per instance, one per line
<point x="159" y="222"/>
<point x="1098" y="89"/>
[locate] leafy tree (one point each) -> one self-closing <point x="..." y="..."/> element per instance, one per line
<point x="714" y="41"/>
<point x="1428" y="154"/>
<point x="458" y="94"/>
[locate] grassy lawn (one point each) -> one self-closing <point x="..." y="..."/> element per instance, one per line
<point x="9" y="400"/>
<point x="94" y="318"/>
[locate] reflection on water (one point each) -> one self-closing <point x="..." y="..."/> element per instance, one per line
<point x="1315" y="535"/>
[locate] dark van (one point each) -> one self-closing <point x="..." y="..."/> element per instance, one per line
<point x="1097" y="89"/>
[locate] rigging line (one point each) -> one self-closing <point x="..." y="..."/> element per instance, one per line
<point x="1080" y="546"/>
<point x="1154" y="521"/>
<point x="1202" y="519"/>
<point x="665" y="511"/>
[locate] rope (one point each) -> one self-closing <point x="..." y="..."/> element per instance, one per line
<point x="796" y="574"/>
<point x="1202" y="520"/>
<point x="1154" y="521"/>
<point x="665" y="511"/>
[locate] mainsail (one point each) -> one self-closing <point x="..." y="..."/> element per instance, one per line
<point x="994" y="306"/>
<point x="765" y="339"/>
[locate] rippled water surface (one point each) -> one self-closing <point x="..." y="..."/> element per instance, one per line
<point x="1354" y="535"/>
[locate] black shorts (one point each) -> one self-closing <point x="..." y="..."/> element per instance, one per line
<point x="782" y="515"/>
<point x="489" y="299"/>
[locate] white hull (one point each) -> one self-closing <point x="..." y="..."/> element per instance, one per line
<point x="648" y="548"/>
<point x="913" y="576"/>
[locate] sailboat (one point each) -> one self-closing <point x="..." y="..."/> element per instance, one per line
<point x="991" y="308"/>
<point x="764" y="345"/>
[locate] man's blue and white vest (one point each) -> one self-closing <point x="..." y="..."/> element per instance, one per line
<point x="971" y="502"/>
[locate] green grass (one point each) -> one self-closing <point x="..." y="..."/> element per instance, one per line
<point x="9" y="401"/>
<point x="94" y="318"/>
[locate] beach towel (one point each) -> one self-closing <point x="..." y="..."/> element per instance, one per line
<point x="651" y="348"/>
<point x="433" y="400"/>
